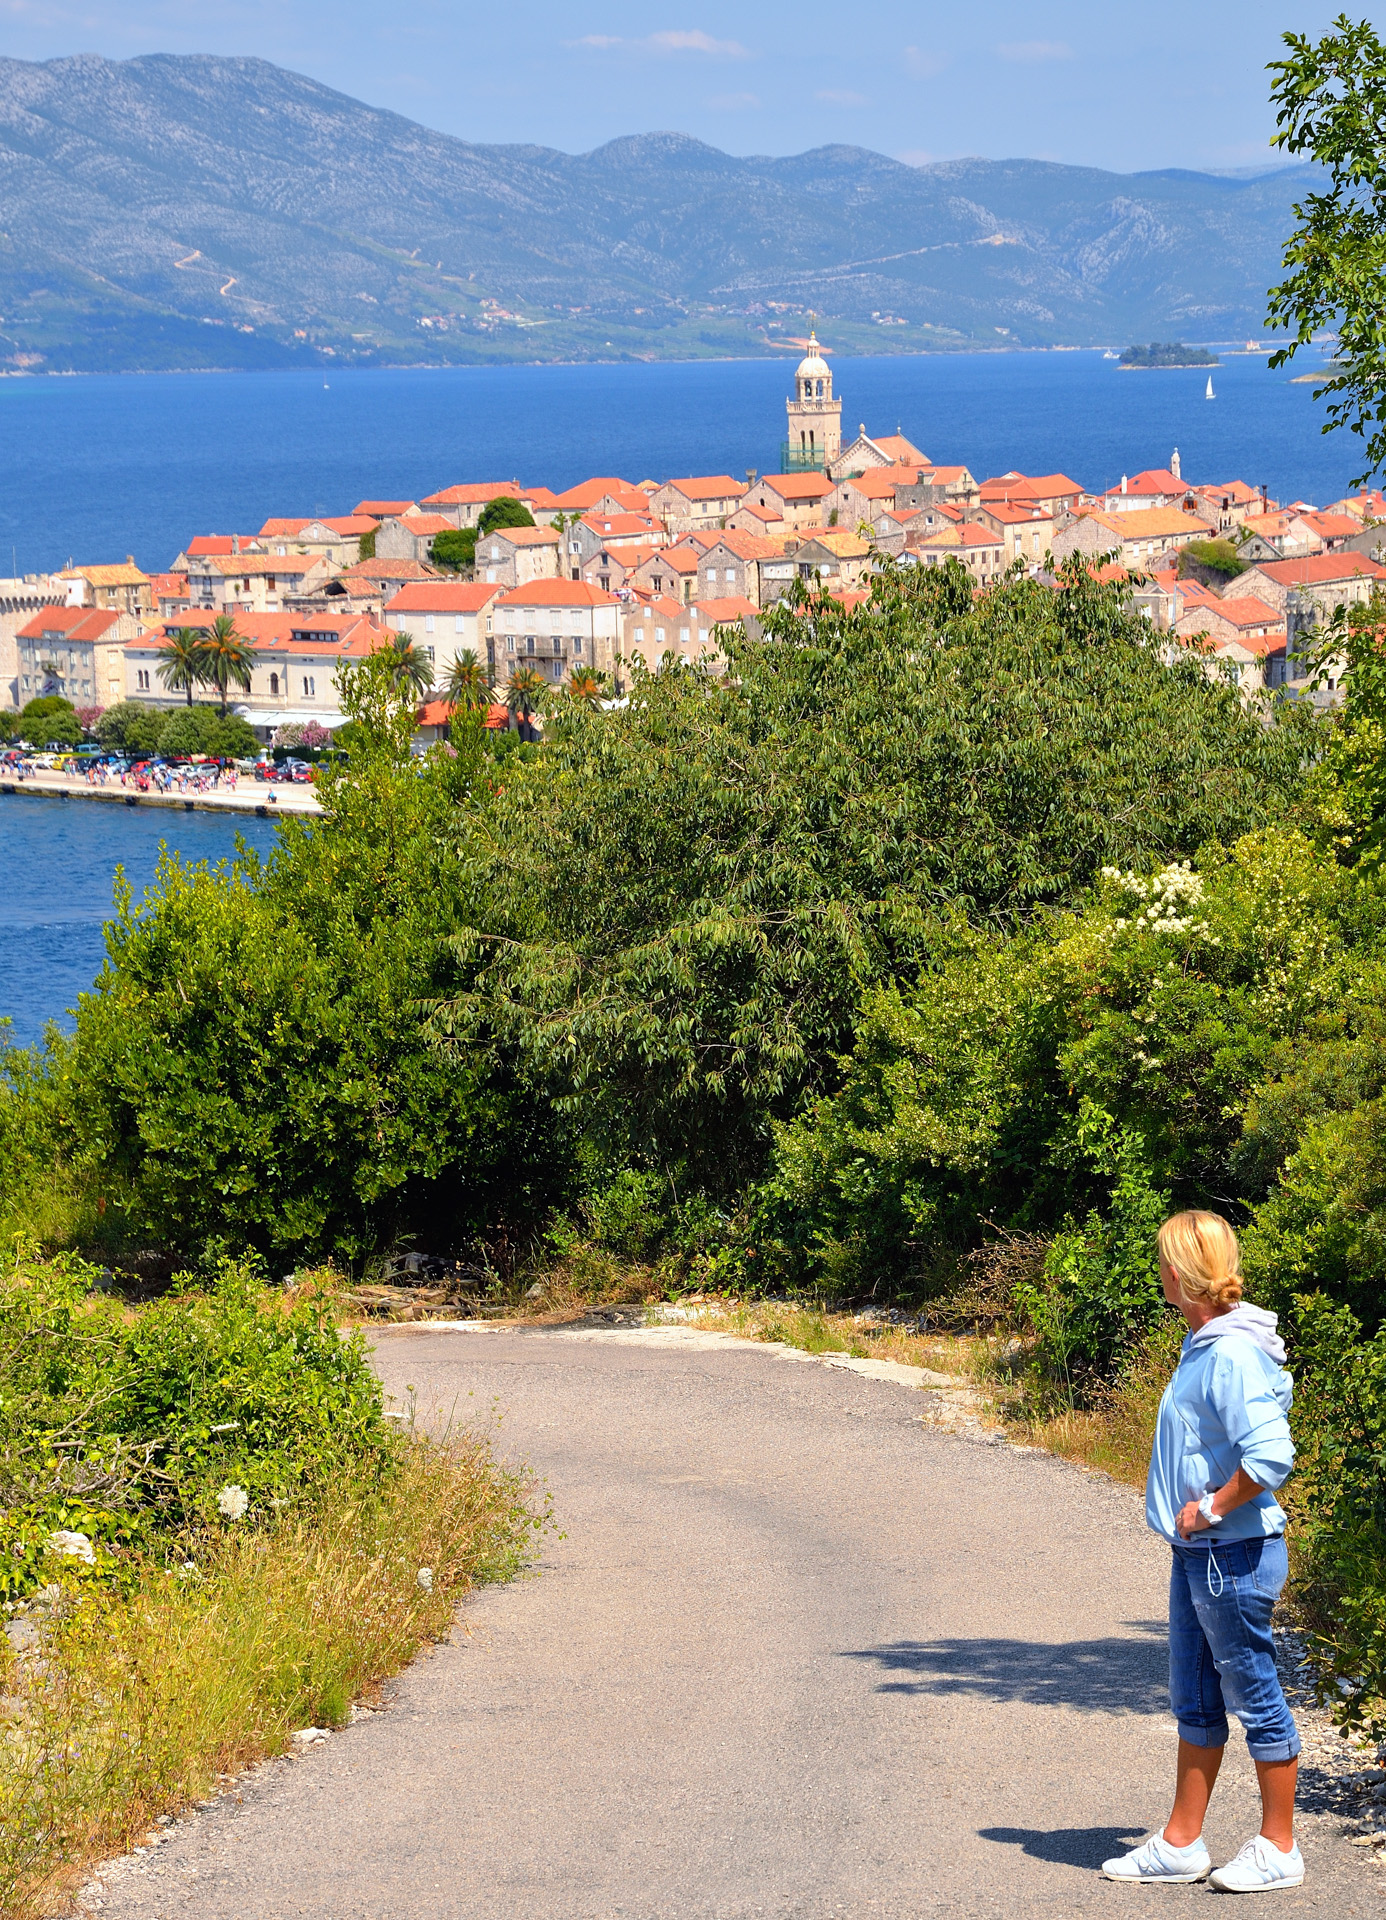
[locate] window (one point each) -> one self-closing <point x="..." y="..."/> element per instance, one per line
<point x="428" y="623"/>
<point x="510" y="643"/>
<point x="683" y="636"/>
<point x="310" y="688"/>
<point x="141" y="680"/>
<point x="529" y="643"/>
<point x="457" y="623"/>
<point x="730" y="576"/>
<point x="558" y="669"/>
<point x="577" y="643"/>
<point x="274" y="685"/>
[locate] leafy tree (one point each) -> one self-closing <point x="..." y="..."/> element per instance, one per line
<point x="50" y="717"/>
<point x="132" y="727"/>
<point x="45" y="706"/>
<point x="199" y="730"/>
<point x="468" y="683"/>
<point x="455" y="550"/>
<point x="229" y="658"/>
<point x="503" y="511"/>
<point x="252" y="1065"/>
<point x="367" y="545"/>
<point x="1330" y="97"/>
<point x="525" y="693"/>
<point x="183" y="661"/>
<point x="9" y="726"/>
<point x="695" y="890"/>
<point x="1349" y="785"/>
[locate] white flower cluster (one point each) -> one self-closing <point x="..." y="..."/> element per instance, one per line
<point x="233" y="1502"/>
<point x="1167" y="900"/>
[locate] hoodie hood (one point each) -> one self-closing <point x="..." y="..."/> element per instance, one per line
<point x="1253" y="1323"/>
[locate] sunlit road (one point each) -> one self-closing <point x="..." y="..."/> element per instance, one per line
<point x="795" y="1654"/>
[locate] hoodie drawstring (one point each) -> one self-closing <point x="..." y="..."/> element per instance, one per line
<point x="1214" y="1592"/>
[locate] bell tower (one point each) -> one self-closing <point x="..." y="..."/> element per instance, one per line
<point x="815" y="418"/>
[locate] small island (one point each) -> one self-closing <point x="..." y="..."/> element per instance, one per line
<point x="1169" y="354"/>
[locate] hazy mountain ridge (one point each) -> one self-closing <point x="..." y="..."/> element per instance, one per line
<point x="184" y="211"/>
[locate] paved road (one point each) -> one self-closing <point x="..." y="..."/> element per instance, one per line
<point x="797" y="1655"/>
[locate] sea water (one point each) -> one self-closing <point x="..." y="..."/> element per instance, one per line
<point x="58" y="861"/>
<point x="98" y="466"/>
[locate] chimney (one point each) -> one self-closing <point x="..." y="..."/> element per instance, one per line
<point x="750" y="478"/>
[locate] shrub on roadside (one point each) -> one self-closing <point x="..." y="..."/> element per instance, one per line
<point x="122" y="1428"/>
<point x="140" y="1698"/>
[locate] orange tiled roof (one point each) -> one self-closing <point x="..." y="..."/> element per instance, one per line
<point x="444" y="596"/>
<point x="321" y="634"/>
<point x="115" y="574"/>
<point x="556" y="593"/>
<point x="73" y="623"/>
<point x="473" y="493"/>
<point x="1318" y="569"/>
<point x="797" y="486"/>
<point x="524" y="536"/>
<point x="707" y="486"/>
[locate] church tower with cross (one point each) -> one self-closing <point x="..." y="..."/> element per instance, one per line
<point x="815" y="418"/>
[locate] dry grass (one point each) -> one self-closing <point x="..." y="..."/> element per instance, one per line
<point x="1115" y="1435"/>
<point x="132" y="1707"/>
<point x="817" y="1330"/>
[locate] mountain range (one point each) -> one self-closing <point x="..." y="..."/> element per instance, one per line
<point x="192" y="211"/>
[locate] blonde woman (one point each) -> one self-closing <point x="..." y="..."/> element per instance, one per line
<point x="1222" y="1447"/>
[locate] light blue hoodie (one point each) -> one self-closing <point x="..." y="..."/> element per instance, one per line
<point x="1225" y="1408"/>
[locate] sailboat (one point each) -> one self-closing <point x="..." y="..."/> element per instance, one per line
<point x="1109" y="355"/>
<point x="1210" y="395"/>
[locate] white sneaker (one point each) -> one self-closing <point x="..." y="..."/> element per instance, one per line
<point x="1156" y="1859"/>
<point x="1260" y="1867"/>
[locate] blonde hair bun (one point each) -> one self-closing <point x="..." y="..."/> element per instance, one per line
<point x="1202" y="1250"/>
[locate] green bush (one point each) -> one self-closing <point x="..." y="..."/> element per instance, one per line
<point x="1185" y="1004"/>
<point x="504" y="511"/>
<point x="9" y="726"/>
<point x="50" y="718"/>
<point x="455" y="550"/>
<point x="126" y="1427"/>
<point x="130" y="727"/>
<point x="1217" y="556"/>
<point x="201" y="729"/>
<point x="1338" y="1502"/>
<point x="690" y="896"/>
<point x="252" y="1068"/>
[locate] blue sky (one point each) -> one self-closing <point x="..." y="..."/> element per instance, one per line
<point x="1112" y="84"/>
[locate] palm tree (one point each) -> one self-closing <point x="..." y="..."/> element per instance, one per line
<point x="468" y="684"/>
<point x="525" y="694"/>
<point x="183" y="660"/>
<point x="586" y="685"/>
<point x="228" y="658"/>
<point x="410" y="667"/>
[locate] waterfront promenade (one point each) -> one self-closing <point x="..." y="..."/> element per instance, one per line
<point x="253" y="797"/>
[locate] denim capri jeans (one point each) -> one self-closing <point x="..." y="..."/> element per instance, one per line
<point x="1221" y="1653"/>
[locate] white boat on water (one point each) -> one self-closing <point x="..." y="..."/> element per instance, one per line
<point x="1210" y="395"/>
<point x="1109" y="355"/>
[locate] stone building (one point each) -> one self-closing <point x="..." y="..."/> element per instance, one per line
<point x="814" y="417"/>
